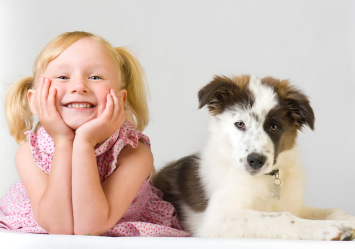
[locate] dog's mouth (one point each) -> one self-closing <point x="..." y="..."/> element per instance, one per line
<point x="265" y="169"/>
<point x="253" y="172"/>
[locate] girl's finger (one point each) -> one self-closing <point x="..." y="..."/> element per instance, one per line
<point x="107" y="113"/>
<point x="44" y="96"/>
<point x="51" y="100"/>
<point x="38" y="96"/>
<point x="45" y="89"/>
<point x="116" y="105"/>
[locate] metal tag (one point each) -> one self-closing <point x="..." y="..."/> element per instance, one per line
<point x="276" y="191"/>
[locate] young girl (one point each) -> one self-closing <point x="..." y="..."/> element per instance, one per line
<point x="85" y="169"/>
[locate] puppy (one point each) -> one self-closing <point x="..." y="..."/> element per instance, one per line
<point x="247" y="182"/>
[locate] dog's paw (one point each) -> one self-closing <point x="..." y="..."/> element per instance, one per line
<point x="338" y="214"/>
<point x="338" y="230"/>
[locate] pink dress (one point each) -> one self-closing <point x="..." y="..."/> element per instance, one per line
<point x="147" y="216"/>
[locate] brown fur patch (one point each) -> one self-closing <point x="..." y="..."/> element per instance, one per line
<point x="242" y="81"/>
<point x="297" y="103"/>
<point x="285" y="138"/>
<point x="223" y="92"/>
<point x="337" y="237"/>
<point x="292" y="113"/>
<point x="288" y="140"/>
<point x="180" y="182"/>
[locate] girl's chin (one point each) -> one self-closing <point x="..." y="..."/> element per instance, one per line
<point x="75" y="125"/>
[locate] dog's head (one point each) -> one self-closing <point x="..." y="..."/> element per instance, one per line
<point x="256" y="119"/>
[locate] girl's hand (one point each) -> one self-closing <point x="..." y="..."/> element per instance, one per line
<point x="48" y="114"/>
<point x="102" y="127"/>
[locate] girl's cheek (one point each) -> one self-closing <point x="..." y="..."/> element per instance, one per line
<point x="101" y="106"/>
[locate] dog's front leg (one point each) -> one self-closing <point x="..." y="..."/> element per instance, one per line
<point x="325" y="214"/>
<point x="275" y="225"/>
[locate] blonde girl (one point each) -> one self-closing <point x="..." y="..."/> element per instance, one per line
<point x="85" y="169"/>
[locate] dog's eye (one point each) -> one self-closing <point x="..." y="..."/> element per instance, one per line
<point x="240" y="125"/>
<point x="274" y="128"/>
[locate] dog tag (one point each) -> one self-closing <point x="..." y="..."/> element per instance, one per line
<point x="276" y="191"/>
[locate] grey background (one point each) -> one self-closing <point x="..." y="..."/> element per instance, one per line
<point x="182" y="44"/>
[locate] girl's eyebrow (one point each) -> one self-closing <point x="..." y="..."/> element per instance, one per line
<point x="93" y="66"/>
<point x="96" y="65"/>
<point x="64" y="66"/>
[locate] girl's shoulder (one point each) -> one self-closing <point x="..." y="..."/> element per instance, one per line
<point x="131" y="135"/>
<point x="128" y="134"/>
<point x="40" y="140"/>
<point x="22" y="153"/>
<point x="41" y="147"/>
<point x="107" y="152"/>
<point x="24" y="160"/>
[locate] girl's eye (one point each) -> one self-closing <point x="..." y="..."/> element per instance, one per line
<point x="240" y="125"/>
<point x="95" y="77"/>
<point x="62" y="77"/>
<point x="274" y="128"/>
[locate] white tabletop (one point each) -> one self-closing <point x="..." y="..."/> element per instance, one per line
<point x="10" y="240"/>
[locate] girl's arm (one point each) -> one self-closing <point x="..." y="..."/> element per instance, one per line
<point x="50" y="196"/>
<point x="96" y="207"/>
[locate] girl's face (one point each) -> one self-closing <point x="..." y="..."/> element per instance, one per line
<point x="83" y="75"/>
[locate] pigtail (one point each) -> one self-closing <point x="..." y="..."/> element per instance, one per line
<point x="134" y="81"/>
<point x="17" y="109"/>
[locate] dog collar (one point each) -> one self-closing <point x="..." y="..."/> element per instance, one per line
<point x="273" y="173"/>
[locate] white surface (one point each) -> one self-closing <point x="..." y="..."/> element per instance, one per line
<point x="12" y="240"/>
<point x="183" y="43"/>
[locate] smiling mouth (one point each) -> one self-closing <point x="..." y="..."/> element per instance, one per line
<point x="79" y="105"/>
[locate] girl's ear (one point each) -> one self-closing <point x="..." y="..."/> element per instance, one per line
<point x="31" y="100"/>
<point x="123" y="94"/>
<point x="127" y="108"/>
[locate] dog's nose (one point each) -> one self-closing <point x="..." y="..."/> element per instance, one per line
<point x="256" y="161"/>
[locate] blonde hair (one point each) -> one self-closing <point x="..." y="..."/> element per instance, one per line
<point x="131" y="73"/>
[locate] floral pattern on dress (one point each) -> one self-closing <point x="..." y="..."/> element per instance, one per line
<point x="148" y="215"/>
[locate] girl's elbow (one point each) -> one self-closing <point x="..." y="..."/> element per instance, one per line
<point x="94" y="229"/>
<point x="81" y="231"/>
<point x="88" y="231"/>
<point x="55" y="228"/>
<point x="60" y="230"/>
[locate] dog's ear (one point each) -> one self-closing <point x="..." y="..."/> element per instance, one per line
<point x="218" y="94"/>
<point x="297" y="103"/>
<point x="300" y="109"/>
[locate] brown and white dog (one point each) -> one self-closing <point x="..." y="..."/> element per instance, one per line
<point x="227" y="190"/>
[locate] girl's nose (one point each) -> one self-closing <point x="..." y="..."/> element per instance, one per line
<point x="79" y="86"/>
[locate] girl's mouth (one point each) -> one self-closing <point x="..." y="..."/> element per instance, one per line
<point x="79" y="105"/>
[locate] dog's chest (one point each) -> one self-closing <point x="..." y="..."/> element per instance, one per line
<point x="246" y="193"/>
<point x="228" y="187"/>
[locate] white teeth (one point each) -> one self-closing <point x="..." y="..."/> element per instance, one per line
<point x="79" y="105"/>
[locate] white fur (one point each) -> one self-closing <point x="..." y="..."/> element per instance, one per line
<point x="241" y="204"/>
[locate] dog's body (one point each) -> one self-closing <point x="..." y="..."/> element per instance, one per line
<point x="227" y="189"/>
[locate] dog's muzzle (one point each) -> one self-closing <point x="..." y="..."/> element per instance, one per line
<point x="256" y="161"/>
